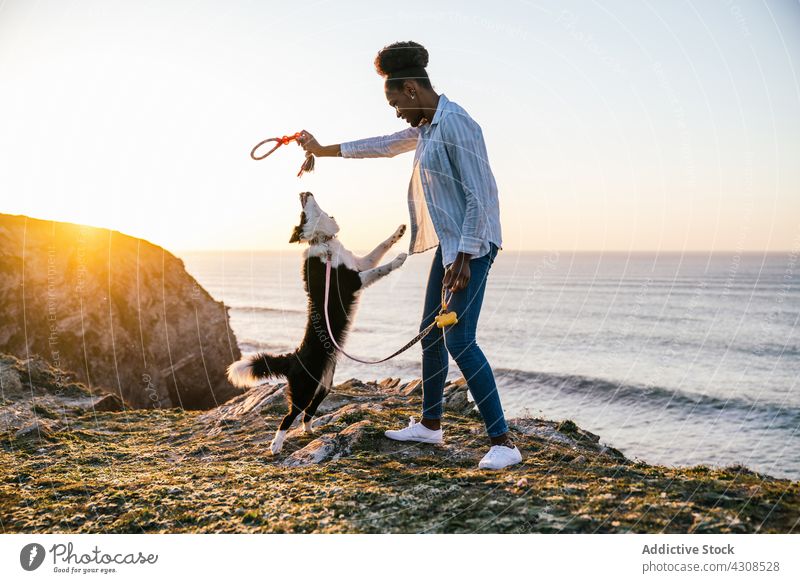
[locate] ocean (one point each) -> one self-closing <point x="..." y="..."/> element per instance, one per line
<point x="673" y="358"/>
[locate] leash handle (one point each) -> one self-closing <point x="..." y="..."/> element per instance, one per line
<point x="445" y="317"/>
<point x="444" y="303"/>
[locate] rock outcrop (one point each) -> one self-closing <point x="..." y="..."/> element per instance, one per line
<point x="121" y="313"/>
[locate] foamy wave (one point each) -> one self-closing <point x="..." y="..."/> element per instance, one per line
<point x="263" y="309"/>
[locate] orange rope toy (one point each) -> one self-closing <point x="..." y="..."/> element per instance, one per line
<point x="308" y="164"/>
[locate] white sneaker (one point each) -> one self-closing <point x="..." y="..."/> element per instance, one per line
<point x="500" y="456"/>
<point x="416" y="432"/>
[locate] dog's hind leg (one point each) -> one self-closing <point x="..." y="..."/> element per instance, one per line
<point x="276" y="444"/>
<point x="322" y="391"/>
<point x="372" y="259"/>
<point x="312" y="408"/>
<point x="370" y="276"/>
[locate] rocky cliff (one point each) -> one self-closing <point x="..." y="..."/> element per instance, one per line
<point x="67" y="464"/>
<point x="121" y="313"/>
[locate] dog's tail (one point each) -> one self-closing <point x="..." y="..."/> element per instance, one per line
<point x="252" y="369"/>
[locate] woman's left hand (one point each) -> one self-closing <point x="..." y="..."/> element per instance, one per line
<point x="456" y="276"/>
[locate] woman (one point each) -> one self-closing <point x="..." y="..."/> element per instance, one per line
<point x="452" y="200"/>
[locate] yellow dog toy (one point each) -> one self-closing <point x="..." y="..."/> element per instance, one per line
<point x="445" y="318"/>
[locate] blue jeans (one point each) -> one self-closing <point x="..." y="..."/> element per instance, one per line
<point x="459" y="341"/>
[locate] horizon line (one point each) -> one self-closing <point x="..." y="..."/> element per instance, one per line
<point x="649" y="251"/>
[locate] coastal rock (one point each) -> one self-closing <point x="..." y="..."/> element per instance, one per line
<point x="38" y="429"/>
<point x="245" y="408"/>
<point x="9" y="380"/>
<point x="108" y="403"/>
<point x="353" y="409"/>
<point x="455" y="395"/>
<point x="352" y="383"/>
<point x="565" y="433"/>
<point x="456" y="398"/>
<point x="32" y="391"/>
<point x="546" y="430"/>
<point x="329" y="447"/>
<point x="412" y="388"/>
<point x="389" y="382"/>
<point x="121" y="313"/>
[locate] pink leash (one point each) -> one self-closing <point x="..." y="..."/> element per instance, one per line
<point x="411" y="343"/>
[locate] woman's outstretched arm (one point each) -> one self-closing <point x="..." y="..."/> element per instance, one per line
<point x="377" y="147"/>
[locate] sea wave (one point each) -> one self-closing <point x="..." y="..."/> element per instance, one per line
<point x="777" y="414"/>
<point x="250" y="345"/>
<point x="263" y="309"/>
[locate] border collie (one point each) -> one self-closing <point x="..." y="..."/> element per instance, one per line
<point x="309" y="369"/>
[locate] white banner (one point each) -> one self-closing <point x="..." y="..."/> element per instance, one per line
<point x="219" y="557"/>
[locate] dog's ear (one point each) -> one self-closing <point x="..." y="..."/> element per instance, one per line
<point x="298" y="230"/>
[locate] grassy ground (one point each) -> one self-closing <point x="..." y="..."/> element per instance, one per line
<point x="176" y="471"/>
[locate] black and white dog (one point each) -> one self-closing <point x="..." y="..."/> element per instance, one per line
<point x="309" y="369"/>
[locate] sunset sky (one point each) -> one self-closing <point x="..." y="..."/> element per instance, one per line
<point x="609" y="125"/>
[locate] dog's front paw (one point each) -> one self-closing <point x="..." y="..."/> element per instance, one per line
<point x="307" y="428"/>
<point x="399" y="260"/>
<point x="401" y="230"/>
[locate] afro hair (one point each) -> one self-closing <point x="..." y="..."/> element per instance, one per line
<point x="403" y="60"/>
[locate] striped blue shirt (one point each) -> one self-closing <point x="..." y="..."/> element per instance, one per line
<point x="452" y="195"/>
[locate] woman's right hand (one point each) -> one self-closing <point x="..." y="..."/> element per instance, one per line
<point x="309" y="143"/>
